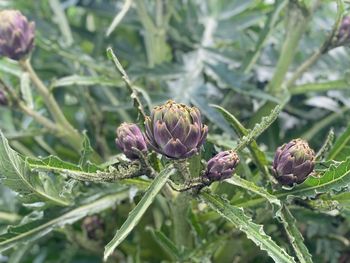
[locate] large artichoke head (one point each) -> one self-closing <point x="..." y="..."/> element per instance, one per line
<point x="293" y="162"/>
<point x="175" y="130"/>
<point x="16" y="35"/>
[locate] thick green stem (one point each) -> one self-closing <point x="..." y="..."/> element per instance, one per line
<point x="155" y="34"/>
<point x="182" y="229"/>
<point x="180" y="208"/>
<point x="297" y="20"/>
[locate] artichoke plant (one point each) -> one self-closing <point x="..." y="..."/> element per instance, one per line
<point x="16" y="35"/>
<point x="293" y="162"/>
<point x="175" y="130"/>
<point x="222" y="166"/>
<point x="129" y="137"/>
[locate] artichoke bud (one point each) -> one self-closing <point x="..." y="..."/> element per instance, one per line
<point x="16" y="35"/>
<point x="343" y="36"/>
<point x="222" y="166"/>
<point x="3" y="99"/>
<point x="129" y="137"/>
<point x="175" y="130"/>
<point x="94" y="227"/>
<point x="293" y="162"/>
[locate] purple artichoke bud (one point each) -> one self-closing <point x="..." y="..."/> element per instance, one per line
<point x="222" y="166"/>
<point x="343" y="36"/>
<point x="94" y="227"/>
<point x="293" y="162"/>
<point x="3" y="99"/>
<point x="175" y="130"/>
<point x="16" y="35"/>
<point x="129" y="136"/>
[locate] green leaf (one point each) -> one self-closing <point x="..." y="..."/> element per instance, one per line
<point x="259" y="128"/>
<point x="336" y="177"/>
<point x="86" y="151"/>
<point x="76" y="80"/>
<point x="258" y="156"/>
<point x="11" y="67"/>
<point x="89" y="172"/>
<point x="320" y="87"/>
<point x="26" y="90"/>
<point x="166" y="244"/>
<point x="34" y="230"/>
<point x="295" y="237"/>
<point x="283" y="213"/>
<point x="137" y="213"/>
<point x="254" y="232"/>
<point x="341" y="147"/>
<point x="238" y="181"/>
<point x="32" y="187"/>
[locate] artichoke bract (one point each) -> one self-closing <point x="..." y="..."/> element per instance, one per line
<point x="222" y="166"/>
<point x="16" y="35"/>
<point x="175" y="130"/>
<point x="293" y="162"/>
<point x="129" y="136"/>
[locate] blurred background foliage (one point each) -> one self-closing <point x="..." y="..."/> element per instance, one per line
<point x="199" y="52"/>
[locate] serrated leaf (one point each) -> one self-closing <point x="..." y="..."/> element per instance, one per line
<point x="283" y="213"/>
<point x="336" y="177"/>
<point x="137" y="213"/>
<point x="259" y="128"/>
<point x="89" y="172"/>
<point x="238" y="181"/>
<point x="258" y="156"/>
<point x="294" y="235"/>
<point x="254" y="232"/>
<point x="15" y="174"/>
<point x="39" y="228"/>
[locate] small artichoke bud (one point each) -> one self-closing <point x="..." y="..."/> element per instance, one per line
<point x="94" y="227"/>
<point x="175" y="130"/>
<point x="222" y="166"/>
<point x="16" y="35"/>
<point x="293" y="162"/>
<point x="3" y="99"/>
<point x="129" y="136"/>
<point x="343" y="37"/>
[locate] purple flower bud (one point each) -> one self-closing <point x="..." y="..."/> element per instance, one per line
<point x="293" y="162"/>
<point x="175" y="130"/>
<point x="222" y="166"/>
<point x="129" y="136"/>
<point x="94" y="227"/>
<point x="3" y="99"/>
<point x="343" y="37"/>
<point x="16" y="35"/>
